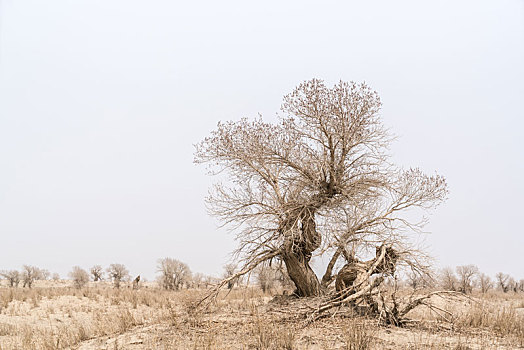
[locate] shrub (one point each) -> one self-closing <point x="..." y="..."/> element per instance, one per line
<point x="79" y="276"/>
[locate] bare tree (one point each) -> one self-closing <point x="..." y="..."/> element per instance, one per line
<point x="12" y="276"/>
<point x="229" y="271"/>
<point x="466" y="275"/>
<point x="79" y="276"/>
<point x="210" y="280"/>
<point x="282" y="277"/>
<point x="266" y="277"/>
<point x="272" y="276"/>
<point x="502" y="281"/>
<point x="448" y="280"/>
<point x="513" y="285"/>
<point x="485" y="283"/>
<point x="413" y="280"/>
<point x="174" y="273"/>
<point x="117" y="274"/>
<point x="44" y="274"/>
<point x="199" y="280"/>
<point x="97" y="273"/>
<point x="521" y="285"/>
<point x="55" y="277"/>
<point x="417" y="280"/>
<point x="30" y="274"/>
<point x="319" y="182"/>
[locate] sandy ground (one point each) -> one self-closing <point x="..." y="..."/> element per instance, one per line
<point x="56" y="316"/>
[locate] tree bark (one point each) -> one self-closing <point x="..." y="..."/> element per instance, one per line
<point x="297" y="251"/>
<point x="305" y="279"/>
<point x="328" y="275"/>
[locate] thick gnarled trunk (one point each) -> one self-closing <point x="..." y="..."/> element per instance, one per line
<point x="305" y="279"/>
<point x="297" y="254"/>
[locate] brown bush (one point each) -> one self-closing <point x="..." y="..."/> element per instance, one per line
<point x="79" y="276"/>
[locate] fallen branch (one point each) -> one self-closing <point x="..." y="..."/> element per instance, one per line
<point x="213" y="293"/>
<point x="398" y="317"/>
<point x="421" y="300"/>
<point x="331" y="304"/>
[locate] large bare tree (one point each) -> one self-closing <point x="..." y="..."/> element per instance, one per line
<point x="319" y="181"/>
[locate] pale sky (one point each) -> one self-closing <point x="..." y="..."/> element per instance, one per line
<point x="101" y="102"/>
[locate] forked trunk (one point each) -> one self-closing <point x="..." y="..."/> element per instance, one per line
<point x="305" y="279"/>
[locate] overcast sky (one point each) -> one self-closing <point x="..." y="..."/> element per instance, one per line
<point x="101" y="102"/>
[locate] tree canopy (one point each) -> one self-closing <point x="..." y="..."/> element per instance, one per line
<point x="319" y="181"/>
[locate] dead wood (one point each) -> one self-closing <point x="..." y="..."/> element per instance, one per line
<point x="211" y="295"/>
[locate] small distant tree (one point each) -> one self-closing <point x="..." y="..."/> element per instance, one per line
<point x="448" y="280"/>
<point x="117" y="273"/>
<point x="466" y="275"/>
<point x="266" y="277"/>
<point x="13" y="277"/>
<point x="55" y="277"/>
<point x="502" y="281"/>
<point x="173" y="273"/>
<point x="414" y="280"/>
<point x="513" y="285"/>
<point x="30" y="274"/>
<point x="230" y="270"/>
<point x="521" y="285"/>
<point x="44" y="274"/>
<point x="198" y="280"/>
<point x="79" y="276"/>
<point x="283" y="278"/>
<point x="97" y="273"/>
<point x="209" y="280"/>
<point x="271" y="276"/>
<point x="485" y="283"/>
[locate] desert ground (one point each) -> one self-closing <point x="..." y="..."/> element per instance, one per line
<point x="55" y="315"/>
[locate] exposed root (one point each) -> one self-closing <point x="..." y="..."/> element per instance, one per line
<point x="365" y="294"/>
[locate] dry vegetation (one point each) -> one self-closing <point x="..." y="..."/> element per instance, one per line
<point x="57" y="315"/>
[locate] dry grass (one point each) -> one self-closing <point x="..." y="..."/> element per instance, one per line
<point x="60" y="317"/>
<point x="504" y="321"/>
<point x="100" y="317"/>
<point x="358" y="335"/>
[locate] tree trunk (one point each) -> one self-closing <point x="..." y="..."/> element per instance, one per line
<point x="305" y="279"/>
<point x="328" y="275"/>
<point x="297" y="252"/>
